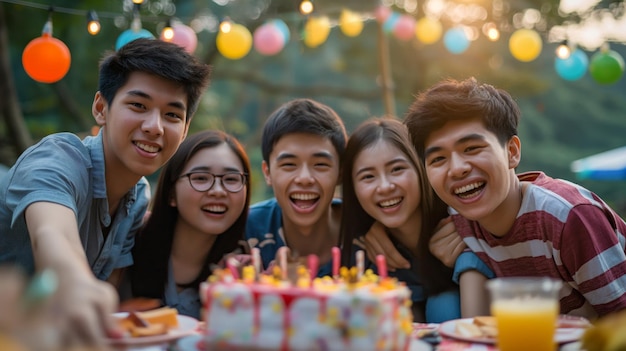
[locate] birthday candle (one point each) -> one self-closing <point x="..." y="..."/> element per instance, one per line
<point x="313" y="262"/>
<point x="282" y="261"/>
<point x="231" y="264"/>
<point x="360" y="263"/>
<point x="336" y="261"/>
<point x="256" y="261"/>
<point x="381" y="264"/>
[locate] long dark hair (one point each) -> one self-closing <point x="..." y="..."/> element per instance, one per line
<point x="153" y="245"/>
<point x="356" y="222"/>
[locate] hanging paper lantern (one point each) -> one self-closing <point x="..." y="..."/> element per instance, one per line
<point x="268" y="39"/>
<point x="282" y="27"/>
<point x="129" y="35"/>
<point x="428" y="30"/>
<point x="46" y="59"/>
<point x="316" y="31"/>
<point x="455" y="40"/>
<point x="381" y="13"/>
<point x="235" y="43"/>
<point x="184" y="36"/>
<point x="525" y="45"/>
<point x="390" y="22"/>
<point x="405" y="27"/>
<point x="573" y="67"/>
<point x="606" y="67"/>
<point x="350" y="23"/>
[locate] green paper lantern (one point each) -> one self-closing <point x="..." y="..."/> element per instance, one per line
<point x="606" y="67"/>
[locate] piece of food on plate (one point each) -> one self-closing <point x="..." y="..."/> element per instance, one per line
<point x="164" y="315"/>
<point x="150" y="330"/>
<point x="487" y="325"/>
<point x="482" y="321"/>
<point x="468" y="330"/>
<point x="149" y="323"/>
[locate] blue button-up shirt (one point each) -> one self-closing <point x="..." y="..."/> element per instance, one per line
<point x="65" y="170"/>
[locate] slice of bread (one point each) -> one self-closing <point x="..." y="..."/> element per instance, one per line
<point x="163" y="315"/>
<point x="151" y="330"/>
<point x="487" y="326"/>
<point x="485" y="321"/>
<point x="468" y="330"/>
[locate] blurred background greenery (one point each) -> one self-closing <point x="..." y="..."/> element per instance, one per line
<point x="562" y="120"/>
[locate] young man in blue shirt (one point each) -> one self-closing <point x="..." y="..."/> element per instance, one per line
<point x="302" y="145"/>
<point x="74" y="205"/>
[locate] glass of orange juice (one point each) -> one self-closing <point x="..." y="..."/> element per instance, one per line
<point x="526" y="311"/>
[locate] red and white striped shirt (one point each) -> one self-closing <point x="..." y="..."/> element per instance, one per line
<point x="562" y="231"/>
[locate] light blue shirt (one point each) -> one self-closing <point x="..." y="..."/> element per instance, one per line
<point x="64" y="170"/>
<point x="187" y="301"/>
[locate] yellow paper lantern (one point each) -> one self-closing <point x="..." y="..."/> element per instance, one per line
<point x="428" y="30"/>
<point x="525" y="44"/>
<point x="235" y="43"/>
<point x="316" y="31"/>
<point x="350" y="23"/>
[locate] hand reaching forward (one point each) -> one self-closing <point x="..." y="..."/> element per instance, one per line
<point x="83" y="309"/>
<point x="446" y="244"/>
<point x="376" y="242"/>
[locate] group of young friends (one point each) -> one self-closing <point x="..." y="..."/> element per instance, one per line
<point x="436" y="194"/>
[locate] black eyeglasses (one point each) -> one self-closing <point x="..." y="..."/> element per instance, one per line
<point x="203" y="181"/>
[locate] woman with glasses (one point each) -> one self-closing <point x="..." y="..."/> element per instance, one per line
<point x="198" y="215"/>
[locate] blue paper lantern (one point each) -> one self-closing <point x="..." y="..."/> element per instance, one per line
<point x="574" y="67"/>
<point x="390" y="23"/>
<point x="455" y="40"/>
<point x="129" y="35"/>
<point x="282" y="27"/>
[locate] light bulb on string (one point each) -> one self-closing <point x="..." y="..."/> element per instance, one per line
<point x="226" y="25"/>
<point x="491" y="31"/>
<point x="563" y="51"/>
<point x="93" y="24"/>
<point x="306" y="7"/>
<point x="168" y="32"/>
<point x="138" y="2"/>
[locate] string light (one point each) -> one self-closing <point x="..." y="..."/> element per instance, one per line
<point x="138" y="2"/>
<point x="306" y="7"/>
<point x="490" y="30"/>
<point x="93" y="24"/>
<point x="168" y="32"/>
<point x="563" y="50"/>
<point x="225" y="25"/>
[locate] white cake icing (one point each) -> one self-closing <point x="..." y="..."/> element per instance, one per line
<point x="325" y="315"/>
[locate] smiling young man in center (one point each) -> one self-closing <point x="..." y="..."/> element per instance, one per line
<point x="302" y="144"/>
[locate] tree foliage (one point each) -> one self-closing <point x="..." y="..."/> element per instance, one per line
<point x="562" y="121"/>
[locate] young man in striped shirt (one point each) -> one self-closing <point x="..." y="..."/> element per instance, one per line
<point x="525" y="224"/>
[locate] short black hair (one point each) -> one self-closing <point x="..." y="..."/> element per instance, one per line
<point x="166" y="60"/>
<point x="303" y="116"/>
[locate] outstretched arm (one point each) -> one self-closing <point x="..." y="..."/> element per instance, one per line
<point x="85" y="304"/>
<point x="376" y="242"/>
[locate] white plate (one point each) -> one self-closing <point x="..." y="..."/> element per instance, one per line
<point x="186" y="326"/>
<point x="563" y="335"/>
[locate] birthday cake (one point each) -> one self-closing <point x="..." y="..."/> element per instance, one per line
<point x="246" y="309"/>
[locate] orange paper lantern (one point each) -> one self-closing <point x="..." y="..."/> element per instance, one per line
<point x="46" y="59"/>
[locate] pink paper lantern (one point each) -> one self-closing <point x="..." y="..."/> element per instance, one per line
<point x="268" y="39"/>
<point x="405" y="28"/>
<point x="381" y="13"/>
<point x="184" y="36"/>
